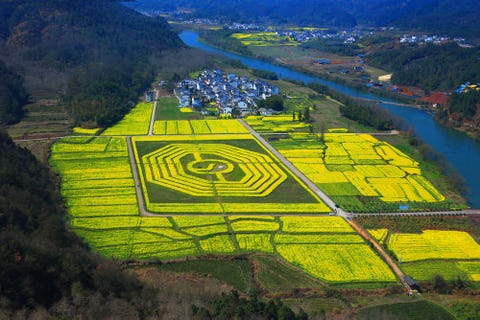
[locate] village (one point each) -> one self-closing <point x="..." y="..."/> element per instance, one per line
<point x="215" y="92"/>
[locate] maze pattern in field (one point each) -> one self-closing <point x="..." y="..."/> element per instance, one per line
<point x="166" y="168"/>
<point x="218" y="174"/>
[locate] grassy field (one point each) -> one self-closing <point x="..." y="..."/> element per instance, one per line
<point x="274" y="275"/>
<point x="167" y="109"/>
<point x="420" y="310"/>
<point x="237" y="273"/>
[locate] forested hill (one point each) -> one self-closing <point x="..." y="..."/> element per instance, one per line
<point x="303" y="12"/>
<point x="103" y="47"/>
<point x="45" y="271"/>
<point x="12" y="95"/>
<point x="456" y="18"/>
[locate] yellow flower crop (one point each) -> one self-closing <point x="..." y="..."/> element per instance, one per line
<point x="434" y="244"/>
<point x="254" y="225"/>
<point x="85" y="131"/>
<point x="338" y="263"/>
<point x="315" y="224"/>
<point x="218" y="244"/>
<point x="136" y="122"/>
<point x="379" y="234"/>
<point x="259" y="242"/>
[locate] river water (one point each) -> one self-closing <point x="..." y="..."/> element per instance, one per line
<point x="461" y="152"/>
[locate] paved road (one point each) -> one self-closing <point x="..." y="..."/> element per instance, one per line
<point x="419" y="213"/>
<point x="136" y="178"/>
<point x="329" y="202"/>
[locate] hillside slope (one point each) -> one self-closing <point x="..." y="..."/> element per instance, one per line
<point x="101" y="47"/>
<point x="45" y="267"/>
<point x="445" y="16"/>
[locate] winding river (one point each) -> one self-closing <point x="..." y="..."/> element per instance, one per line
<point x="462" y="152"/>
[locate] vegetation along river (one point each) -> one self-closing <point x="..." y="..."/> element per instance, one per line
<point x="462" y="152"/>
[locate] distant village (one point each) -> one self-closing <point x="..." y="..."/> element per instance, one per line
<point x="435" y="39"/>
<point x="224" y="93"/>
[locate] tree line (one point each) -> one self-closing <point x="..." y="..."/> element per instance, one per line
<point x="430" y="67"/>
<point x="12" y="95"/>
<point x="104" y="48"/>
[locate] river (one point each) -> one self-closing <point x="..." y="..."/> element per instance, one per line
<point x="462" y="152"/>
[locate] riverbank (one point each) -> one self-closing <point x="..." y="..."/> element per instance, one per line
<point x="352" y="83"/>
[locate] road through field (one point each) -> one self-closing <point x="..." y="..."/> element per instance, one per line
<point x="377" y="247"/>
<point x="329" y="202"/>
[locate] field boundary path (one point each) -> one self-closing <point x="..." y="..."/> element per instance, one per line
<point x="381" y="251"/>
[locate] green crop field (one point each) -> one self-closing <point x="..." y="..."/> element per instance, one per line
<point x="421" y="310"/>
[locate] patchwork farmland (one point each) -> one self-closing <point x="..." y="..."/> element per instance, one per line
<point x="210" y="187"/>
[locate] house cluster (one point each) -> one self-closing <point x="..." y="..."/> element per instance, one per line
<point x="347" y="36"/>
<point x="467" y="87"/>
<point x="227" y="93"/>
<point x="423" y="39"/>
<point x="244" y="26"/>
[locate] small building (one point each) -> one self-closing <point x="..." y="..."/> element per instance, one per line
<point x="412" y="284"/>
<point x="149" y="96"/>
<point x="385" y="78"/>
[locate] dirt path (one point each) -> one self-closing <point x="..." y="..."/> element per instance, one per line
<point x="385" y="256"/>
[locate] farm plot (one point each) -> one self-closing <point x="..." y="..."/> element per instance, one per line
<point x="338" y="263"/>
<point x="205" y="175"/>
<point x="434" y="244"/>
<point x="189" y="127"/>
<point x="277" y="123"/>
<point x="362" y="173"/>
<point x="448" y="253"/>
<point x="136" y="122"/>
<point x="96" y="176"/>
<point x="264" y="39"/>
